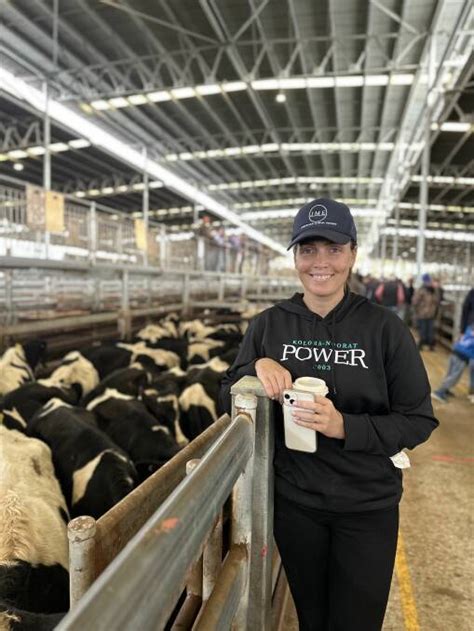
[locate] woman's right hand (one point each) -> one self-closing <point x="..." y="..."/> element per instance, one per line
<point x="274" y="377"/>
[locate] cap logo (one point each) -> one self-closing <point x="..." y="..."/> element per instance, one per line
<point x="317" y="213"/>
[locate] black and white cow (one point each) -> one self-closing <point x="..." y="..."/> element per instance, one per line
<point x="19" y="406"/>
<point x="18" y="363"/>
<point x="148" y="440"/>
<point x="33" y="519"/>
<point x="75" y="370"/>
<point x="132" y="380"/>
<point x="93" y="471"/>
<point x="198" y="401"/>
<point x="202" y="351"/>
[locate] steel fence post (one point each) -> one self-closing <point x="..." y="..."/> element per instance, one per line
<point x="261" y="551"/>
<point x="81" y="534"/>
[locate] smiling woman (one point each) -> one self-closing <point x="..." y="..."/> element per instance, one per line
<point x="336" y="509"/>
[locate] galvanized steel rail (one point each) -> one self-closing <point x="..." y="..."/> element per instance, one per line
<point x="140" y="588"/>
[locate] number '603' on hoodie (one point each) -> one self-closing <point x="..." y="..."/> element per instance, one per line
<point x="376" y="379"/>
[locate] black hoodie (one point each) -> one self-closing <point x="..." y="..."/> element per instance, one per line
<point x="376" y="379"/>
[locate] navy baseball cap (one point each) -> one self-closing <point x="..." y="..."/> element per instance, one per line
<point x="324" y="218"/>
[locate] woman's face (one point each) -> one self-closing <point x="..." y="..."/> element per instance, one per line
<point x="323" y="266"/>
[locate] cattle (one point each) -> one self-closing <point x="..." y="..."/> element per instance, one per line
<point x="132" y="380"/>
<point x="20" y="405"/>
<point x="202" y="351"/>
<point x="75" y="370"/>
<point x="148" y="440"/>
<point x="93" y="471"/>
<point x="106" y="358"/>
<point x="193" y="329"/>
<point x="18" y="363"/>
<point x="160" y="358"/>
<point x="33" y="520"/>
<point x="13" y="619"/>
<point x="197" y="402"/>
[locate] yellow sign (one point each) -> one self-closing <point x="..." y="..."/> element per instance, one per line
<point x="140" y="235"/>
<point x="54" y="207"/>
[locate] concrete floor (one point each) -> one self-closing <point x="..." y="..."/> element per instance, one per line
<point x="433" y="584"/>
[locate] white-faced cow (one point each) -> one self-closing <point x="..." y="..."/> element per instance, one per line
<point x="33" y="519"/>
<point x="93" y="471"/>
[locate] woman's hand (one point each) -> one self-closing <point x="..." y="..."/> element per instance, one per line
<point x="274" y="377"/>
<point x="321" y="416"/>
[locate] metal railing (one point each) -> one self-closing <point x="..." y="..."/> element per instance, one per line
<point x="141" y="586"/>
<point x="45" y="225"/>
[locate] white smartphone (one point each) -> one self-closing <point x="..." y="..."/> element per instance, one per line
<point x="296" y="436"/>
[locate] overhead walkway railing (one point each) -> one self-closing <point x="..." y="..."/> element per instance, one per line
<point x="141" y="586"/>
<point x="49" y="225"/>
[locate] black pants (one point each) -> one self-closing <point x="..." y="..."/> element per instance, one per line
<point x="339" y="566"/>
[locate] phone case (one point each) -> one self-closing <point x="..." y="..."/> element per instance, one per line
<point x="297" y="437"/>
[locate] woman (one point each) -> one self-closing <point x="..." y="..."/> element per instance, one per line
<point x="336" y="510"/>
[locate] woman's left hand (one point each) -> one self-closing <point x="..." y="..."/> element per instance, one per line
<point x="320" y="415"/>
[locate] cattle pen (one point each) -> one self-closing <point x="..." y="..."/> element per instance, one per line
<point x="210" y="212"/>
<point x="231" y="458"/>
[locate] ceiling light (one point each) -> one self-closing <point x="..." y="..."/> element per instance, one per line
<point x="119" y="101"/>
<point x="186" y="155"/>
<point x="3" y="157"/>
<point x="292" y="83"/>
<point x="265" y="84"/>
<point x="159" y="97"/>
<point x="455" y="126"/>
<point x="118" y="147"/>
<point x="208" y="89"/>
<point x="155" y="184"/>
<point x="320" y="82"/>
<point x="80" y="194"/>
<point x="139" y="186"/>
<point x="251" y="149"/>
<point x="100" y="105"/>
<point x="138" y="99"/>
<point x="183" y="93"/>
<point x="37" y="150"/>
<point x="401" y="79"/>
<point x="17" y="154"/>
<point x="123" y="188"/>
<point x="93" y="192"/>
<point x="280" y="97"/>
<point x="375" y="80"/>
<point x="107" y="190"/>
<point x="350" y="81"/>
<point x="79" y="143"/>
<point x="57" y="147"/>
<point x="18" y="166"/>
<point x="234" y="86"/>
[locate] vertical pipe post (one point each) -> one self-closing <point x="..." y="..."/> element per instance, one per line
<point x="145" y="204"/>
<point x="241" y="526"/>
<point x="261" y="554"/>
<point x="163" y="247"/>
<point x="81" y="534"/>
<point x="93" y="233"/>
<point x="425" y="162"/>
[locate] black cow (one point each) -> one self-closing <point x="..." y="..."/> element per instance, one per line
<point x="148" y="440"/>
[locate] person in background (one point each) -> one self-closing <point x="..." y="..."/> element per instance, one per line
<point x="371" y="285"/>
<point x="220" y="243"/>
<point x="356" y="285"/>
<point x="391" y="294"/>
<point x="467" y="313"/>
<point x="336" y="510"/>
<point x="462" y="355"/>
<point x="425" y="306"/>
<point x="409" y="291"/>
<point x="204" y="239"/>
